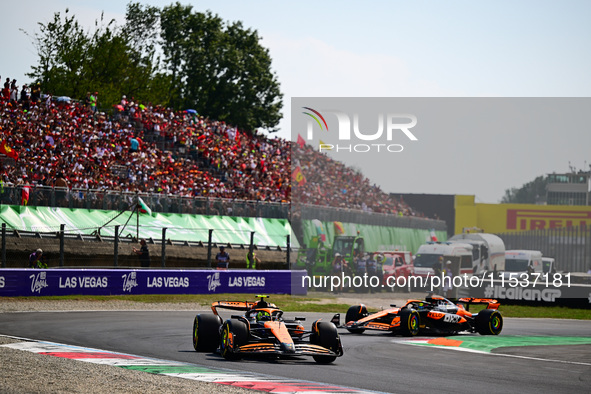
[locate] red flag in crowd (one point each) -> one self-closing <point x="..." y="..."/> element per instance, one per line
<point x="8" y="151"/>
<point x="25" y="196"/>
<point x="143" y="207"/>
<point x="298" y="176"/>
<point x="237" y="137"/>
<point x="301" y="141"/>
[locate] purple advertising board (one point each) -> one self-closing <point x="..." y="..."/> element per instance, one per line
<point x="59" y="282"/>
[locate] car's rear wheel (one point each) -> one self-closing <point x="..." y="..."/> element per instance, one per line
<point x="489" y="322"/>
<point x="409" y="322"/>
<point x="206" y="332"/>
<point x="234" y="334"/>
<point x="355" y="313"/>
<point x="325" y="334"/>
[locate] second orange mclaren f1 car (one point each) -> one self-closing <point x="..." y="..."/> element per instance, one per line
<point x="262" y="330"/>
<point x="435" y="314"/>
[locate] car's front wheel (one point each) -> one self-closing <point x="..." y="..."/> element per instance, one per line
<point x="325" y="334"/>
<point x="354" y="313"/>
<point x="409" y="322"/>
<point x="234" y="334"/>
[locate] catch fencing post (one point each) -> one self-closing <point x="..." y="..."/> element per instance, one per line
<point x="209" y="248"/>
<point x="116" y="250"/>
<point x="3" y="245"/>
<point x="288" y="251"/>
<point x="62" y="228"/>
<point x="163" y="247"/>
<point x="251" y="246"/>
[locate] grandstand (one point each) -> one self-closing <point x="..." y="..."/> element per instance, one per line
<point x="178" y="152"/>
<point x="61" y="153"/>
<point x="331" y="183"/>
<point x="156" y="150"/>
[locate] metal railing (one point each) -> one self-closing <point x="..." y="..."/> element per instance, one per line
<point x="46" y="196"/>
<point x="310" y="212"/>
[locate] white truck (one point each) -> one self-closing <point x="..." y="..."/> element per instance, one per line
<point x="488" y="251"/>
<point x="549" y="265"/>
<point x="523" y="262"/>
<point x="460" y="254"/>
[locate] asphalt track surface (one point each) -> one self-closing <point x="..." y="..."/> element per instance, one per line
<point x="372" y="361"/>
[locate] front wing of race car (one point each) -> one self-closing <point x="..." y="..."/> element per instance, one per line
<point x="385" y="320"/>
<point x="373" y="325"/>
<point x="275" y="338"/>
<point x="297" y="349"/>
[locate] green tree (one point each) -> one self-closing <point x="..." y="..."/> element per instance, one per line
<point x="245" y="80"/>
<point x="221" y="68"/>
<point x="530" y="193"/>
<point x="175" y="22"/>
<point x="142" y="27"/>
<point x="218" y="68"/>
<point x="62" y="49"/>
<point x="73" y="62"/>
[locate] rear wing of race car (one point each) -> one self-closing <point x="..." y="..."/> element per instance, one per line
<point x="491" y="304"/>
<point x="235" y="305"/>
<point x="232" y="305"/>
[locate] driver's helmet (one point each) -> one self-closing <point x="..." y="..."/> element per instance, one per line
<point x="379" y="257"/>
<point x="261" y="304"/>
<point x="263" y="315"/>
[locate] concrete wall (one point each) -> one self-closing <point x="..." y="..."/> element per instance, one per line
<point x="95" y="254"/>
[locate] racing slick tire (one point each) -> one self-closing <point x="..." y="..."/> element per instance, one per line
<point x="206" y="332"/>
<point x="234" y="334"/>
<point x="325" y="334"/>
<point x="489" y="322"/>
<point x="409" y="322"/>
<point x="355" y="313"/>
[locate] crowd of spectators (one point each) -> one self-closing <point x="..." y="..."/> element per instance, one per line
<point x="138" y="147"/>
<point x="141" y="148"/>
<point x="331" y="183"/>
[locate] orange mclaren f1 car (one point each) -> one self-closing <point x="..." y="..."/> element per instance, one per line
<point x="435" y="314"/>
<point x="262" y="330"/>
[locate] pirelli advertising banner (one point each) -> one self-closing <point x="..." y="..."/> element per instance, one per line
<point x="60" y="282"/>
<point x="503" y="218"/>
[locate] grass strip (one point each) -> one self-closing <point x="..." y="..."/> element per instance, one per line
<point x="289" y="303"/>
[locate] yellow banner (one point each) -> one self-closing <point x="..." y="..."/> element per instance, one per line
<point x="502" y="218"/>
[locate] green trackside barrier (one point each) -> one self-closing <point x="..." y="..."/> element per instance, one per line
<point x="180" y="227"/>
<point x="376" y="238"/>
